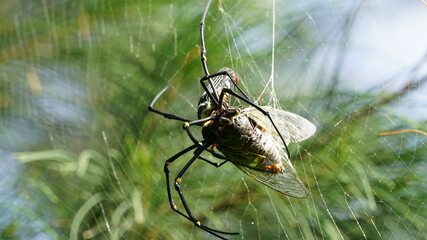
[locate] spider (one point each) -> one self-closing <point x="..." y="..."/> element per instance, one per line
<point x="248" y="137"/>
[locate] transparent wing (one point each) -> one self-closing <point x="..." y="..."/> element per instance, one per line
<point x="287" y="183"/>
<point x="293" y="127"/>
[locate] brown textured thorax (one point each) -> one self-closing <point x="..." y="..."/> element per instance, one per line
<point x="235" y="131"/>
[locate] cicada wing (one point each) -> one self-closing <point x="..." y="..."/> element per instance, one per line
<point x="292" y="127"/>
<point x="265" y="149"/>
<point x="287" y="183"/>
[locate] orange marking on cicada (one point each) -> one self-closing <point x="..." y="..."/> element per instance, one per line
<point x="274" y="168"/>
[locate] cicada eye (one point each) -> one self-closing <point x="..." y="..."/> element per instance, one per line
<point x="235" y="77"/>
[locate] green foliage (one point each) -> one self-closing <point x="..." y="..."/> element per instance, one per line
<point x="98" y="173"/>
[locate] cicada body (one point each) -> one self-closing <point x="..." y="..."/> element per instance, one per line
<point x="248" y="139"/>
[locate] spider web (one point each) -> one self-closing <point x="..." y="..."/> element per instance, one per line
<point x="314" y="78"/>
<point x="77" y="79"/>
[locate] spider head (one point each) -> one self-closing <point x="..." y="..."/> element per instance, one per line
<point x="225" y="78"/>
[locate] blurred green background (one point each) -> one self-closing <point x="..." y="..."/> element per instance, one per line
<point x="82" y="158"/>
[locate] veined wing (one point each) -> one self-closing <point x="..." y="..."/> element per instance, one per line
<point x="287" y="183"/>
<point x="293" y="127"/>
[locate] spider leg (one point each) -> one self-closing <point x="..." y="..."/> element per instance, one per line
<point x="215" y="164"/>
<point x="266" y="113"/>
<point x="166" y="115"/>
<point x="187" y="126"/>
<point x="215" y="97"/>
<point x="199" y="122"/>
<point x="202" y="39"/>
<point x="166" y="170"/>
<point x="189" y="214"/>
